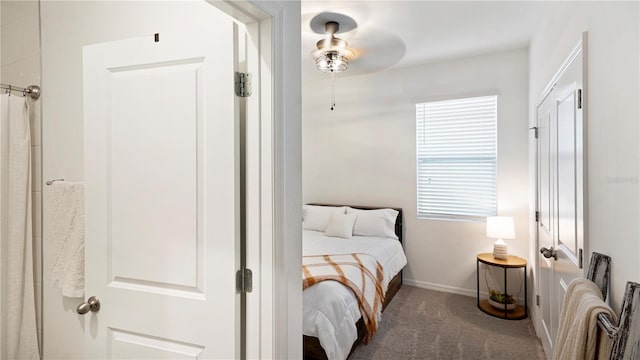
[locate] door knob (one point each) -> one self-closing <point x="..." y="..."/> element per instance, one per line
<point x="549" y="253"/>
<point x="92" y="304"/>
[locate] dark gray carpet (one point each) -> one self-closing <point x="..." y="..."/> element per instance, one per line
<point x="427" y="324"/>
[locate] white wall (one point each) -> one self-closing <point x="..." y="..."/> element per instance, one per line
<point x="363" y="153"/>
<point x="20" y="66"/>
<point x="612" y="97"/>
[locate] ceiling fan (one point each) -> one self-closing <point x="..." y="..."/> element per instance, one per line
<point x="374" y="49"/>
<point x="332" y="54"/>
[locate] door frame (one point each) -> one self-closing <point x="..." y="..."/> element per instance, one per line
<point x="580" y="49"/>
<point x="274" y="252"/>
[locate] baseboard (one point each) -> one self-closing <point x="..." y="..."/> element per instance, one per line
<point x="440" y="287"/>
<point x="451" y="289"/>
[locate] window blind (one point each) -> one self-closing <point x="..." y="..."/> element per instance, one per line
<point x="457" y="158"/>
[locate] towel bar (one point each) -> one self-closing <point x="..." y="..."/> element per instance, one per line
<point x="604" y="323"/>
<point x="625" y="336"/>
<point x="50" y="182"/>
<point x="599" y="270"/>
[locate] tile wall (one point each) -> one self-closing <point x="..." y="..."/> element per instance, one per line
<point x="20" y="66"/>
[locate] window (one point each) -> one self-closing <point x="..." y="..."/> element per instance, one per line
<point x="456" y="143"/>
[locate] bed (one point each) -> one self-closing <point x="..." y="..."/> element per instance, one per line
<point x="332" y="323"/>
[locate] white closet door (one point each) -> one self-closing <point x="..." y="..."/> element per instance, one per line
<point x="560" y="188"/>
<point x="569" y="239"/>
<point x="546" y="219"/>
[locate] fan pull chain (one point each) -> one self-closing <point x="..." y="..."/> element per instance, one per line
<point x="333" y="90"/>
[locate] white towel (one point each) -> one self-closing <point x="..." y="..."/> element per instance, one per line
<point x="577" y="335"/>
<point x="67" y="237"/>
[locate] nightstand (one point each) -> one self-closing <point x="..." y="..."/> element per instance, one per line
<point x="509" y="312"/>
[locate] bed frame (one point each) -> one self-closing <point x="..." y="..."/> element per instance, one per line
<point x="312" y="349"/>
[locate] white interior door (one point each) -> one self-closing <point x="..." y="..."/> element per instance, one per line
<point x="569" y="242"/>
<point x="560" y="192"/>
<point x="546" y="217"/>
<point x="162" y="203"/>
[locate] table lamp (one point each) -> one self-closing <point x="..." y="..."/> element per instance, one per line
<point x="500" y="227"/>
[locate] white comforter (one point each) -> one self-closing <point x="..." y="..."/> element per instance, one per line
<point x="330" y="310"/>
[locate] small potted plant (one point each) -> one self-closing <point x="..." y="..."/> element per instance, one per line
<point x="498" y="299"/>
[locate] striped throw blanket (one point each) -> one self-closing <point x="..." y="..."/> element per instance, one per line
<point x="362" y="273"/>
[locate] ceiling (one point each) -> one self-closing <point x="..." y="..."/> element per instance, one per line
<point x="391" y="34"/>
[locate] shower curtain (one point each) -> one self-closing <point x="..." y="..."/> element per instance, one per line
<point x="18" y="319"/>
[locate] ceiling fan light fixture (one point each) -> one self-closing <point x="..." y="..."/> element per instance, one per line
<point x="333" y="53"/>
<point x="332" y="61"/>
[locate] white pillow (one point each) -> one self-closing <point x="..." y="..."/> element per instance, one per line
<point x="341" y="225"/>
<point x="379" y="222"/>
<point x="317" y="217"/>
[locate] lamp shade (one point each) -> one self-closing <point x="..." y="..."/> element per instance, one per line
<point x="500" y="227"/>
